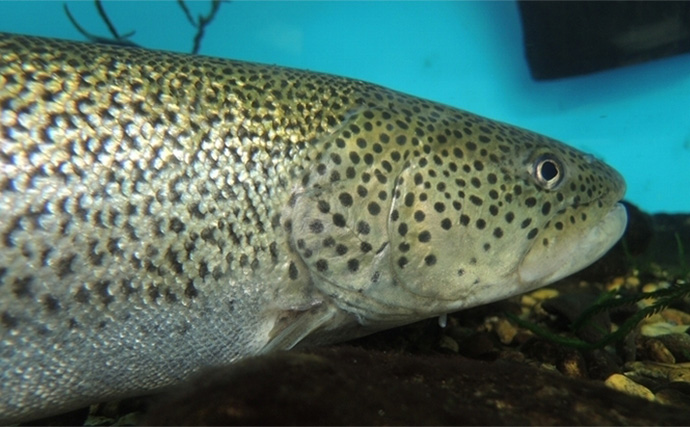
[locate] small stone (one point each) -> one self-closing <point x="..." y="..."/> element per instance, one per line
<point x="678" y="372"/>
<point x="570" y="306"/>
<point x="662" y="328"/>
<point x="648" y="369"/>
<point x="528" y="301"/>
<point x="544" y="294"/>
<point x="449" y="344"/>
<point x="522" y="336"/>
<point x="548" y="367"/>
<point x="615" y="284"/>
<point x="669" y="396"/>
<point x="601" y="364"/>
<point x="573" y="365"/>
<point x="650" y="287"/>
<point x="506" y="331"/>
<point x="657" y="351"/>
<point x="632" y="281"/>
<point x="626" y="385"/>
<point x="654" y="318"/>
<point x="680" y="375"/>
<point x="678" y="345"/>
<point x="676" y="316"/>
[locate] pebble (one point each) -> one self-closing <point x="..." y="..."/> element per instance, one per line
<point x="626" y="385"/>
<point x="650" y="287"/>
<point x="573" y="365"/>
<point x="506" y="331"/>
<point x="678" y="345"/>
<point x="632" y="281"/>
<point x="678" y="372"/>
<point x="680" y="375"/>
<point x="657" y="351"/>
<point x="570" y="306"/>
<point x="669" y="396"/>
<point x="601" y="364"/>
<point x="449" y="344"/>
<point x="528" y="301"/>
<point x="653" y="318"/>
<point x="676" y="316"/>
<point x="662" y="328"/>
<point x="615" y="284"/>
<point x="544" y="294"/>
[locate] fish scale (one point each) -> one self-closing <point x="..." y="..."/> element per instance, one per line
<point x="166" y="213"/>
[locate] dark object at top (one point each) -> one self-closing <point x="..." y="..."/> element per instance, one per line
<point x="565" y="39"/>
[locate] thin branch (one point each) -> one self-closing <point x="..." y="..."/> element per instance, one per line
<point x="123" y="40"/>
<point x="117" y="40"/>
<point x="104" y="17"/>
<point x="186" y="11"/>
<point x="202" y="22"/>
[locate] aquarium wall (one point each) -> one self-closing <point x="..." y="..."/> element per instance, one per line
<point x="466" y="54"/>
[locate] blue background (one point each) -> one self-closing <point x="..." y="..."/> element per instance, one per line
<point x="465" y="54"/>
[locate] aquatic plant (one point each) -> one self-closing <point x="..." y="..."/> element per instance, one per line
<point x="202" y="21"/>
<point x="609" y="301"/>
<point x="200" y="24"/>
<point x="121" y="40"/>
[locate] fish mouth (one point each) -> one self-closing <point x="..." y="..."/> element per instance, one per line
<point x="542" y="266"/>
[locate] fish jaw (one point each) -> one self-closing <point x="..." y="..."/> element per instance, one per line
<point x="542" y="266"/>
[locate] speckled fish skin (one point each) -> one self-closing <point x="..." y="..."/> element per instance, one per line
<point x="164" y="213"/>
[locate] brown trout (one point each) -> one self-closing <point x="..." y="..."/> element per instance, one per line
<point x="164" y="213"/>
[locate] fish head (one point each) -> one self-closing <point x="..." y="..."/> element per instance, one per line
<point x="419" y="211"/>
<point x="494" y="210"/>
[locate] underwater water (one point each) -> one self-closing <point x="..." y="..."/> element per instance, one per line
<point x="465" y="54"/>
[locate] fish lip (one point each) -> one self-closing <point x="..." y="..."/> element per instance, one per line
<point x="537" y="268"/>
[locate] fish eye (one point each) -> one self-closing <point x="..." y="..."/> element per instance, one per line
<point x="548" y="171"/>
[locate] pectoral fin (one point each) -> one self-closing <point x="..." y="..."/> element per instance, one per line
<point x="293" y="326"/>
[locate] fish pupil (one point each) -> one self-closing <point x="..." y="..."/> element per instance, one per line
<point x="549" y="170"/>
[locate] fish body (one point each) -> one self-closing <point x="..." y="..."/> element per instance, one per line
<point x="164" y="213"/>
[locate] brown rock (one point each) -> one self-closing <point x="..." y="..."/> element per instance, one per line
<point x="601" y="364"/>
<point x="657" y="351"/>
<point x="505" y="331"/>
<point x="678" y="345"/>
<point x="626" y="385"/>
<point x="346" y="385"/>
<point x="572" y="364"/>
<point x="672" y="396"/>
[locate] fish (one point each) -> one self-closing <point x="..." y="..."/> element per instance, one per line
<point x="163" y="213"/>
